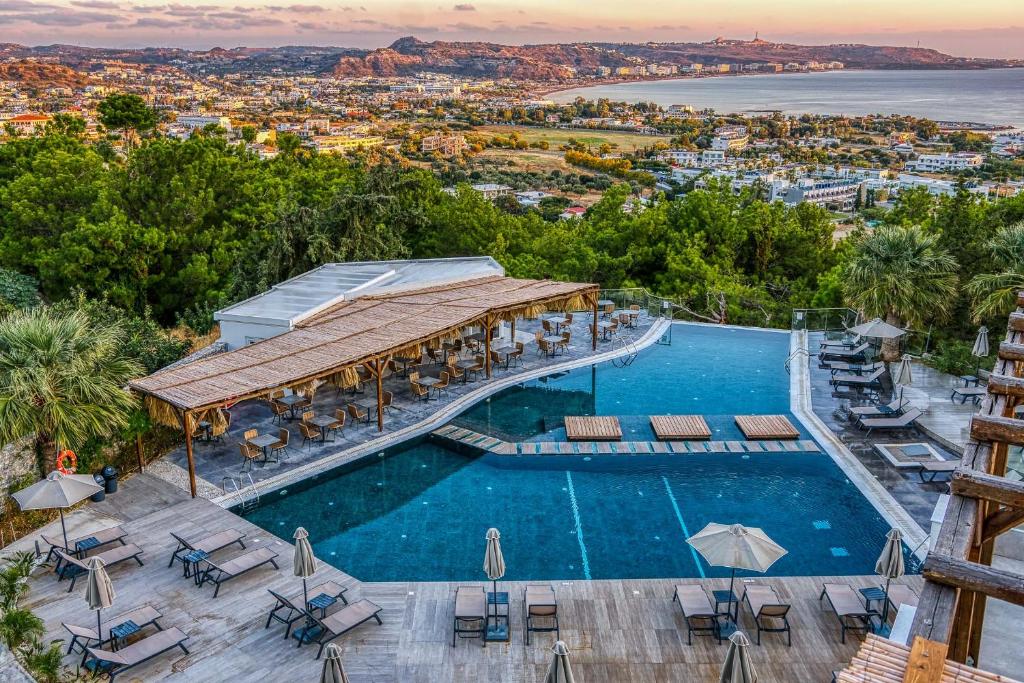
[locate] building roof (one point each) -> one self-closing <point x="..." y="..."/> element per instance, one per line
<point x="294" y="300"/>
<point x="350" y="333"/>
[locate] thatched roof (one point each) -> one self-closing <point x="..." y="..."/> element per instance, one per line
<point x="355" y="332"/>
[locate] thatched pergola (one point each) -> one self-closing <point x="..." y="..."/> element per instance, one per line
<point x="330" y="346"/>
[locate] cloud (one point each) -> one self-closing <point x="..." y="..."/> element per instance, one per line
<point x="24" y="6"/>
<point x="464" y="7"/>
<point x="96" y="4"/>
<point x="157" y="22"/>
<point x="306" y="9"/>
<point x="64" y="17"/>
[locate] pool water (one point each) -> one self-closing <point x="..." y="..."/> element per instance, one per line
<point x="419" y="512"/>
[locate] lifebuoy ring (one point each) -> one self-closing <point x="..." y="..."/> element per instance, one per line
<point x="67" y="462"/>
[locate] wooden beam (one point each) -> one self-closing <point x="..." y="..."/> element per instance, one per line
<point x="1017" y="322"/>
<point x="985" y="486"/>
<point x="926" y="663"/>
<point x="139" y="453"/>
<point x="1000" y="522"/>
<point x="993" y="429"/>
<point x="185" y="423"/>
<point x="1012" y="352"/>
<point x="593" y="326"/>
<point x="487" y="346"/>
<point x="995" y="583"/>
<point x="1006" y="385"/>
<point x="379" y="367"/>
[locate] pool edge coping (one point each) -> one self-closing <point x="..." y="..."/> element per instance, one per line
<point x="883" y="501"/>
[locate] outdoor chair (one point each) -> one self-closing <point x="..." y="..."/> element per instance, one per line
<point x="281" y="445"/>
<point x="698" y="613"/>
<point x="432" y="354"/>
<point x="904" y="421"/>
<point x="844" y="352"/>
<point x="848" y="342"/>
<point x="837" y="366"/>
<point x="453" y="370"/>
<point x="848" y="608"/>
<point x="249" y="453"/>
<point x="292" y="613"/>
<point x="470" y="613"/>
<point x="337" y="624"/>
<point x="515" y="357"/>
<point x="310" y="433"/>
<point x="890" y="409"/>
<point x="306" y="402"/>
<point x="115" y="663"/>
<point x="208" y="544"/>
<point x="103" y="537"/>
<point x="568" y="320"/>
<point x="279" y="410"/>
<point x="218" y="574"/>
<point x="857" y="380"/>
<point x="81" y="635"/>
<point x="249" y="434"/>
<point x="496" y="360"/>
<point x="442" y="384"/>
<point x="477" y="367"/>
<point x="358" y="414"/>
<point x="964" y="393"/>
<point x="419" y="391"/>
<point x="769" y="611"/>
<point x="339" y="421"/>
<point x="387" y="400"/>
<point x="69" y="566"/>
<point x="901" y="594"/>
<point x="546" y="324"/>
<point x="935" y="468"/>
<point x="540" y="611"/>
<point x="563" y="345"/>
<point x="624" y="320"/>
<point x="609" y="309"/>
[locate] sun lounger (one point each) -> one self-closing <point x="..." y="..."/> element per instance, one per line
<point x="540" y="611"/>
<point x="904" y="421"/>
<point x="700" y="616"/>
<point x="902" y="594"/>
<point x="81" y="635"/>
<point x="858" y="380"/>
<point x="845" y="343"/>
<point x="936" y="467"/>
<point x="844" y="352"/>
<point x="103" y="537"/>
<point x="769" y="611"/>
<point x="295" y="613"/>
<point x="219" y="573"/>
<point x="337" y="624"/>
<point x="837" y="366"/>
<point x="115" y="663"/>
<point x="69" y="566"/>
<point x="848" y="608"/>
<point x="890" y="409"/>
<point x="973" y="393"/>
<point x="208" y="545"/>
<point x="470" y="613"/>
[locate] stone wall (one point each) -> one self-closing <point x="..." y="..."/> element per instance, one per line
<point x="16" y="460"/>
<point x="10" y="670"/>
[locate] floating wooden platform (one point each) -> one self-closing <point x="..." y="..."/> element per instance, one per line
<point x="679" y="427"/>
<point x="767" y="427"/>
<point x="592" y="428"/>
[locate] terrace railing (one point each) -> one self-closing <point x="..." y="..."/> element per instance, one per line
<point x="654" y="305"/>
<point x="824" y="319"/>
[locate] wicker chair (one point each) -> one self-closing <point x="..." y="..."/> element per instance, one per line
<point x="310" y="433"/>
<point x="249" y="454"/>
<point x="477" y="367"/>
<point x="279" y="410"/>
<point x="442" y="384"/>
<point x="419" y="391"/>
<point x="515" y="357"/>
<point x="386" y="400"/>
<point x="358" y="414"/>
<point x="276" y="449"/>
<point x="339" y="421"/>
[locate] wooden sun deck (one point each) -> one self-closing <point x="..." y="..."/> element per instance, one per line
<point x="767" y="427"/>
<point x="680" y="427"/>
<point x="618" y="631"/>
<point x="592" y="428"/>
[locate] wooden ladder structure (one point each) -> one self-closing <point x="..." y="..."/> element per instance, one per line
<point x="984" y="504"/>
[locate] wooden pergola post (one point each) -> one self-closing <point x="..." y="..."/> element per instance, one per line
<point x="593" y="325"/>
<point x="188" y="452"/>
<point x="487" y="346"/>
<point x="139" y="452"/>
<point x="379" y="366"/>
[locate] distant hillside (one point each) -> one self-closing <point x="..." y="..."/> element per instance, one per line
<point x="549" y="62"/>
<point x="41" y="75"/>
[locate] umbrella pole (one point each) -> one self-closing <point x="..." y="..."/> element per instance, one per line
<point x="99" y="629"/>
<point x="63" y="529"/>
<point x="732" y="578"/>
<point x="885" y="605"/>
<point x="305" y="594"/>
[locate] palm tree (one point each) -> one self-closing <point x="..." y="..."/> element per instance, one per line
<point x="62" y="381"/>
<point x="901" y="275"/>
<point x="995" y="293"/>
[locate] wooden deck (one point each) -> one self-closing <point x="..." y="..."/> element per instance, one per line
<point x="592" y="428"/>
<point x="618" y="631"/>
<point x="881" y="660"/>
<point x="767" y="427"/>
<point x="680" y="427"/>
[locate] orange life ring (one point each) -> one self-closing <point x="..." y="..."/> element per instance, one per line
<point x="67" y="462"/>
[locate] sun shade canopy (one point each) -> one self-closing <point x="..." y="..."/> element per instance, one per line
<point x="354" y="332"/>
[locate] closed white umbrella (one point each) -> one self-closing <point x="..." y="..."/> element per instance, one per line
<point x="57" y="491"/>
<point x="560" y="670"/>
<point x="494" y="563"/>
<point x="304" y="562"/>
<point x="890" y="565"/>
<point x="878" y="329"/>
<point x="903" y="375"/>
<point x="980" y="348"/>
<point x="333" y="671"/>
<point x="737" y="547"/>
<point x="99" y="591"/>
<point x="737" y="667"/>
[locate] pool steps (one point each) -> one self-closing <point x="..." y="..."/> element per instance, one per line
<point x="490" y="444"/>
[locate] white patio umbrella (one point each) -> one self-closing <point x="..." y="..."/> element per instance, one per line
<point x="738" y="668"/>
<point x="903" y="375"/>
<point x="560" y="670"/>
<point x="877" y="329"/>
<point x="304" y="562"/>
<point x="494" y="563"/>
<point x="737" y="547"/>
<point x="99" y="591"/>
<point x="57" y="491"/>
<point x="333" y="671"/>
<point x="890" y="565"/>
<point x="980" y="349"/>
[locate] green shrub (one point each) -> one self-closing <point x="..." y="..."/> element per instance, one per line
<point x="17" y="291"/>
<point x="954" y="358"/>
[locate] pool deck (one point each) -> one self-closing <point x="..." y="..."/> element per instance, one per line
<point x="615" y="630"/>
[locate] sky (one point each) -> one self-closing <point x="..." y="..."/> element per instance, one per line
<point x="982" y="28"/>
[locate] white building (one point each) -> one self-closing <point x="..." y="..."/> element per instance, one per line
<point x="838" y="193"/>
<point x="707" y="158"/>
<point x="944" y="163"/>
<point x="200" y="121"/>
<point x="730" y="138"/>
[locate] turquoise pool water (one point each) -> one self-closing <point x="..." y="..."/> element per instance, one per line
<point x="419" y="512"/>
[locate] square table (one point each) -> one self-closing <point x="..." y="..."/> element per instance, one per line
<point x="728" y="598"/>
<point x="85" y="545"/>
<point x="553" y="341"/>
<point x="499" y="630"/>
<point x="323" y="421"/>
<point x="872" y="594"/>
<point x="429" y="383"/>
<point x="263" y="442"/>
<point x="321" y="603"/>
<point x="191" y="562"/>
<point x="465" y="366"/>
<point x="604" y="326"/>
<point x="291" y="400"/>
<point x="122" y="631"/>
<point x="968" y="380"/>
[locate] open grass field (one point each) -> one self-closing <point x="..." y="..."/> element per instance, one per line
<point x="623" y="141"/>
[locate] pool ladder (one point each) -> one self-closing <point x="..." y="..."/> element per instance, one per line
<point x="793" y="356"/>
<point x="230" y="486"/>
<point x="628" y="355"/>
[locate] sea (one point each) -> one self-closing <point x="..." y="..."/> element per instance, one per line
<point x="994" y="96"/>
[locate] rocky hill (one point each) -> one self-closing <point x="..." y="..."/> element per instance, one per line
<point x="41" y="75"/>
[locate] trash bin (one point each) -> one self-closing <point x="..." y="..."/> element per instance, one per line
<point x="102" y="493"/>
<point x="110" y="478"/>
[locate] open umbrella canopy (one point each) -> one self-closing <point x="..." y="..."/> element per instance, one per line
<point x="980" y="348"/>
<point x="333" y="671"/>
<point x="736" y="546"/>
<point x="494" y="561"/>
<point x="56" y="491"/>
<point x="877" y="329"/>
<point x="560" y="670"/>
<point x="737" y="667"/>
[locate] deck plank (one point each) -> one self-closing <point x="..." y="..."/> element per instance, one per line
<point x="767" y="427"/>
<point x="680" y="427"/>
<point x="592" y="428"/>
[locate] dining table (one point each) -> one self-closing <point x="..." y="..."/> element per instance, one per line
<point x="429" y="383"/>
<point x="264" y="442"/>
<point x="605" y="327"/>
<point x="553" y="341"/>
<point x="291" y="400"/>
<point x="465" y="366"/>
<point x="323" y="422"/>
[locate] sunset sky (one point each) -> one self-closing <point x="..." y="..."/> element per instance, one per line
<point x="991" y="28"/>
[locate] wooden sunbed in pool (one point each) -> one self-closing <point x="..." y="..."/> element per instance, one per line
<point x="766" y="427"/>
<point x="680" y="427"/>
<point x="592" y="428"/>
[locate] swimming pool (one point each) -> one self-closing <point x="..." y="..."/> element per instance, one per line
<point x="419" y="512"/>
